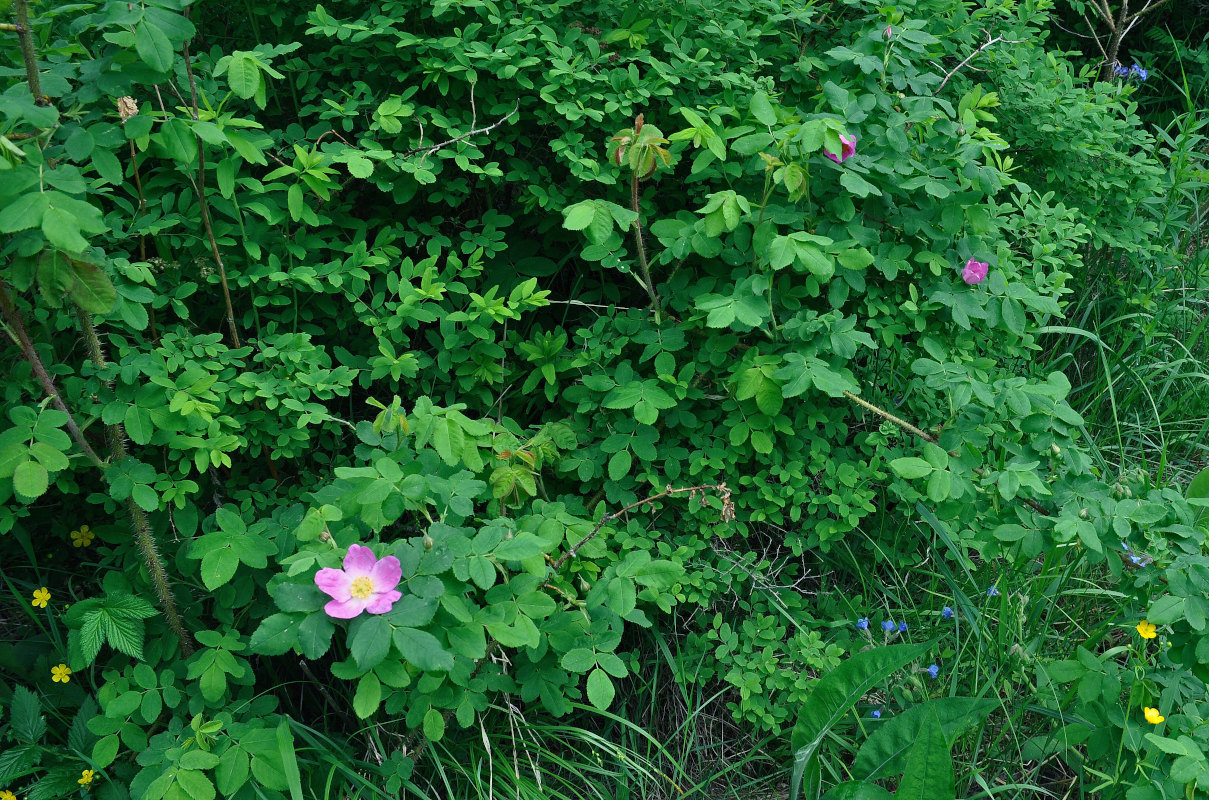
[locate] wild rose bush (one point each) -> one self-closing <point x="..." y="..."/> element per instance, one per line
<point x="436" y="382"/>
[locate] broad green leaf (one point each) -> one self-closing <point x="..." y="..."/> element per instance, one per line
<point x="883" y="753"/>
<point x="831" y="699"/>
<point x="92" y="290"/>
<point x="232" y="770"/>
<point x="368" y="696"/>
<point x="911" y="467"/>
<point x="928" y="765"/>
<point x="762" y="109"/>
<point x="600" y="689"/>
<point x="62" y="230"/>
<point x="434" y="725"/>
<point x="153" y="46"/>
<point x="276" y="634"/>
<point x="24" y="212"/>
<point x="243" y="75"/>
<point x="105" y="750"/>
<point x="423" y="649"/>
<point x="857" y="790"/>
<point x="579" y="216"/>
<point x="370" y="640"/>
<point x="30" y="479"/>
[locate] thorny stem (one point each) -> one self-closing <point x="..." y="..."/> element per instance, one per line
<point x="25" y="36"/>
<point x="647" y="283"/>
<point x="138" y="519"/>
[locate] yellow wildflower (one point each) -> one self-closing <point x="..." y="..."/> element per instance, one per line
<point x="85" y="777"/>
<point x="60" y="674"/>
<point x="1147" y="629"/>
<point x="7" y="795"/>
<point x="1152" y="715"/>
<point x="41" y="597"/>
<point x="83" y="537"/>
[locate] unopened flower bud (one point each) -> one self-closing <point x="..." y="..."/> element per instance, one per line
<point x="325" y="536"/>
<point x="1055" y="449"/>
<point x="1083" y="513"/>
<point x="428" y="542"/>
<point x="584" y="585"/>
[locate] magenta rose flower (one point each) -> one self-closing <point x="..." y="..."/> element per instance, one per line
<point x="848" y="148"/>
<point x="365" y="584"/>
<point x="975" y="272"/>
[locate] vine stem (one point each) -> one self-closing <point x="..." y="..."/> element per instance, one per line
<point x="647" y="283"/>
<point x="138" y="518"/>
<point x="200" y="186"/>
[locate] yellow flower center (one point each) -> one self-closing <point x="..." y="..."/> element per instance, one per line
<point x="362" y="588"/>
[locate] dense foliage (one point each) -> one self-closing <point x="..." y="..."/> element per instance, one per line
<point x="589" y="337"/>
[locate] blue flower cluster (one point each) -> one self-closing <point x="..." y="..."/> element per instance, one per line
<point x="1135" y="71"/>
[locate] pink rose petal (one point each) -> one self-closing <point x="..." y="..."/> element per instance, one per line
<point x="381" y="603"/>
<point x="359" y="561"/>
<point x="335" y="583"/>
<point x="386" y="574"/>
<point x="346" y="609"/>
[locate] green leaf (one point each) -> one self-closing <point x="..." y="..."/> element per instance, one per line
<point x="243" y="75"/>
<point x="619" y="465"/>
<point x="762" y="109"/>
<point x="25" y="715"/>
<point x="106" y="750"/>
<point x="928" y="768"/>
<point x="423" y="649"/>
<point x="579" y="216"/>
<point x="30" y="479"/>
<point x="434" y="725"/>
<point x="138" y="425"/>
<point x="24" y="212"/>
<point x="315" y="635"/>
<point x="62" y="230"/>
<point x="368" y="696"/>
<point x="600" y="689"/>
<point x="832" y="697"/>
<point x="153" y="46"/>
<point x="55" y="276"/>
<point x="580" y="659"/>
<point x="92" y="290"/>
<point x="857" y="790"/>
<point x="883" y="754"/>
<point x="194" y="782"/>
<point x="911" y="467"/>
<point x="275" y="635"/>
<point x="232" y="770"/>
<point x="370" y="641"/>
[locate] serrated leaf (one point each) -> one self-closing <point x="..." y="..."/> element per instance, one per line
<point x="92" y="290"/>
<point x="30" y="479"/>
<point x="276" y="635"/>
<point x="25" y="716"/>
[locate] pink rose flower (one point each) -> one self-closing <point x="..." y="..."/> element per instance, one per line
<point x="975" y="272"/>
<point x="365" y="584"/>
<point x="849" y="147"/>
